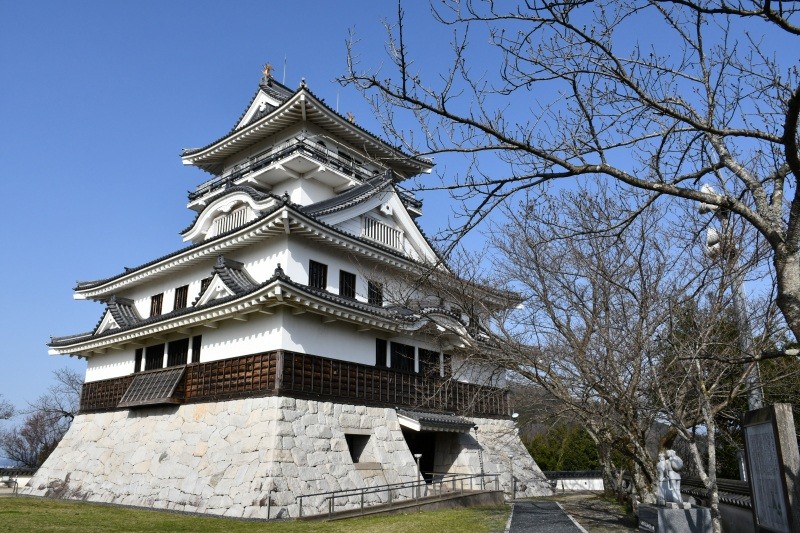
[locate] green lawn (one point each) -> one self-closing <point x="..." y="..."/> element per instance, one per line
<point x="38" y="515"/>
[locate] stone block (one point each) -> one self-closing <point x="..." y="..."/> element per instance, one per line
<point x="349" y="421"/>
<point x="657" y="519"/>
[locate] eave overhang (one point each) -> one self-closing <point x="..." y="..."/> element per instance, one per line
<point x="283" y="220"/>
<point x="265" y="298"/>
<point x="304" y="106"/>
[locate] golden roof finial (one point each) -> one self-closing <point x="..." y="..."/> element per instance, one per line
<point x="267" y="71"/>
<point x="351" y="117"/>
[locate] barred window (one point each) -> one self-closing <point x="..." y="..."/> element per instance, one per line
<point x="380" y="353"/>
<point x="317" y="275"/>
<point x="375" y="293"/>
<point x="204" y="283"/>
<point x="181" y="297"/>
<point x="154" y="357"/>
<point x="137" y="363"/>
<point x="429" y="363"/>
<point x="347" y="284"/>
<point x="156" y="303"/>
<point x="402" y="357"/>
<point x="178" y="352"/>
<point x="197" y="341"/>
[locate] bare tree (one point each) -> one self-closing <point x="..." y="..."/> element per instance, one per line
<point x="6" y="409"/>
<point x="629" y="329"/>
<point x="573" y="95"/>
<point x="45" y="423"/>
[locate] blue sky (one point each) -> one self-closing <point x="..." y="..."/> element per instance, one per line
<point x="96" y="101"/>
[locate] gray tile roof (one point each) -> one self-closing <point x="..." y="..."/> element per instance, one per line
<point x="123" y="311"/>
<point x="303" y="87"/>
<point x="437" y="421"/>
<point x="354" y="196"/>
<point x="234" y="275"/>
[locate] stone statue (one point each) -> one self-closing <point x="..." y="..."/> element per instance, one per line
<point x="662" y="487"/>
<point x="669" y="480"/>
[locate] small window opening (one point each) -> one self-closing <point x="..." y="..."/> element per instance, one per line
<point x="155" y="304"/>
<point x="347" y="284"/>
<point x="317" y="275"/>
<point x="356" y="444"/>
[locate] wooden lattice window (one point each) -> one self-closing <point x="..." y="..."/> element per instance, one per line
<point x="429" y="362"/>
<point x="137" y="362"/>
<point x="375" y="293"/>
<point x="402" y="357"/>
<point x="156" y="302"/>
<point x="197" y="342"/>
<point x="181" y="297"/>
<point x="347" y="284"/>
<point x="317" y="275"/>
<point x="204" y="283"/>
<point x="154" y="357"/>
<point x="178" y="352"/>
<point x="382" y="233"/>
<point x="380" y="353"/>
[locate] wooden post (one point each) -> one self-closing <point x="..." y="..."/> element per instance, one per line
<point x="278" y="372"/>
<point x="773" y="465"/>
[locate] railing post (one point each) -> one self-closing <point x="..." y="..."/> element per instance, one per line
<point x="300" y="507"/>
<point x="362" y="501"/>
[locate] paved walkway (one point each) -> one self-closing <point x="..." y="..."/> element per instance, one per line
<point x="542" y="516"/>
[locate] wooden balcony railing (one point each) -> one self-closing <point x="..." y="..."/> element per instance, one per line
<point x="312" y="377"/>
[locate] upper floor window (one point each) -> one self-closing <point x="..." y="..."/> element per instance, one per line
<point x="226" y="222"/>
<point x="204" y="283"/>
<point x="382" y="233"/>
<point x="154" y="357"/>
<point x="402" y="357"/>
<point x="375" y="293"/>
<point x="137" y="361"/>
<point x="177" y="352"/>
<point x="317" y="275"/>
<point x="156" y="303"/>
<point x="181" y="297"/>
<point x="197" y="343"/>
<point x="347" y="284"/>
<point x="429" y="364"/>
<point x="380" y="353"/>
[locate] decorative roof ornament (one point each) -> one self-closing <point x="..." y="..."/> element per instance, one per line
<point x="267" y="71"/>
<point x="302" y="83"/>
<point x="351" y="117"/>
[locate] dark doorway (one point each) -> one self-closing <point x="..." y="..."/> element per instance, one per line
<point x="422" y="442"/>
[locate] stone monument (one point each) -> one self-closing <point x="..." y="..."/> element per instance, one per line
<point x="773" y="461"/>
<point x="671" y="513"/>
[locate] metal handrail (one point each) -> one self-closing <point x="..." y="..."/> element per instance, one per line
<point x="299" y="145"/>
<point x="415" y="486"/>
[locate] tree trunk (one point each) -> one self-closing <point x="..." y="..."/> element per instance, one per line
<point x="787" y="269"/>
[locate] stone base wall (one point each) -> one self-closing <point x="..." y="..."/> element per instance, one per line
<point x="252" y="458"/>
<point x="494" y="448"/>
